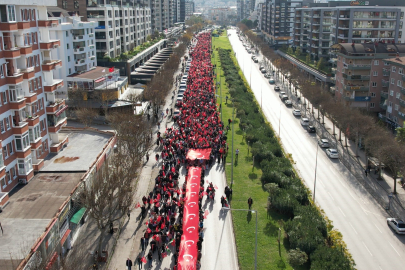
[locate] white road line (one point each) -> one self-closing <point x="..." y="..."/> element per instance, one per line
<point x="378" y="228"/>
<point x="331" y="196"/>
<point x="394" y="249"/>
<point x="365" y="212"/>
<point x="367" y="249"/>
<point x="352" y="196"/>
<point x="353" y="228"/>
<point x="380" y="267"/>
<point x="342" y="212"/>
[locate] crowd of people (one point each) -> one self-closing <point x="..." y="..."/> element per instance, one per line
<point x="198" y="127"/>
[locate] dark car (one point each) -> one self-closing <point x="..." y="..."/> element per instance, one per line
<point x="288" y="103"/>
<point x="311" y="129"/>
<point x="277" y="88"/>
<point x="255" y="60"/>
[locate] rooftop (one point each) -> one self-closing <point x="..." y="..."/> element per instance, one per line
<point x="364" y="48"/>
<point x="80" y="153"/>
<point x="397" y="60"/>
<point x="93" y="74"/>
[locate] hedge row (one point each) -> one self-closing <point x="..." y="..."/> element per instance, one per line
<point x="306" y="228"/>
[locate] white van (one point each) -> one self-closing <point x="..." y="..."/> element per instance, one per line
<point x="304" y="121"/>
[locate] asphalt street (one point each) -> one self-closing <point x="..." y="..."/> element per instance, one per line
<point x="353" y="211"/>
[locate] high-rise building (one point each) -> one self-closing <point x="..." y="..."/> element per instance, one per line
<point x="189" y="8"/>
<point x="30" y="115"/>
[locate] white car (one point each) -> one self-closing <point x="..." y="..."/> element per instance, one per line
<point x="397" y="225"/>
<point x="323" y="143"/>
<point x="332" y="153"/>
<point x="304" y="121"/>
<point x="296" y="112"/>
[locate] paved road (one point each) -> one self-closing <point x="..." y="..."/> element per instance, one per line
<point x="353" y="211"/>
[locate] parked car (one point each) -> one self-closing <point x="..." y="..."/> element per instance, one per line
<point x="176" y="114"/>
<point x="304" y="121"/>
<point x="296" y="112"/>
<point x="276" y="88"/>
<point x="253" y="57"/>
<point x="288" y="103"/>
<point x="272" y="81"/>
<point x="267" y="75"/>
<point x="281" y="94"/>
<point x="397" y="225"/>
<point x="255" y="60"/>
<point x="311" y="129"/>
<point x="324" y="143"/>
<point x="263" y="71"/>
<point x="332" y="153"/>
<point x="284" y="97"/>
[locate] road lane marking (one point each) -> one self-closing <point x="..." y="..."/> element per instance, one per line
<point x="331" y="196"/>
<point x="353" y="228"/>
<point x="365" y="212"/>
<point x="367" y="248"/>
<point x="342" y="212"/>
<point x="378" y="228"/>
<point x="394" y="249"/>
<point x="352" y="196"/>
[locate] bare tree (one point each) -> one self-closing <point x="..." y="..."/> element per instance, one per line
<point x="393" y="155"/>
<point x="86" y="115"/>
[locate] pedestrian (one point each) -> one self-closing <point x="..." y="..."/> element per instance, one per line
<point x="226" y="99"/>
<point x="128" y="214"/>
<point x="143" y="243"/>
<point x="237" y="153"/>
<point x="365" y="171"/>
<point x="250" y="202"/>
<point x="147" y="158"/>
<point x="129" y="264"/>
<point x="167" y="111"/>
<point x="158" y="125"/>
<point x="1" y="229"/>
<point x="139" y="260"/>
<point x="150" y="257"/>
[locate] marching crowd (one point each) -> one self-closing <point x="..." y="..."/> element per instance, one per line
<point x="198" y="127"/>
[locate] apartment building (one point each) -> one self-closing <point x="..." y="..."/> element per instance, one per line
<point x="163" y="14"/>
<point x="78" y="52"/>
<point x="361" y="75"/>
<point x="320" y="25"/>
<point x="189" y="8"/>
<point x="29" y="123"/>
<point x="221" y="16"/>
<point x="120" y="28"/>
<point x="277" y="20"/>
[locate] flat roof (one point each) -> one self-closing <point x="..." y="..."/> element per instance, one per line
<point x="30" y="209"/>
<point x="81" y="151"/>
<point x="92" y="74"/>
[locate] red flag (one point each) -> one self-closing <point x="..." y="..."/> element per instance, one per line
<point x="149" y="230"/>
<point x="164" y="255"/>
<point x="137" y="205"/>
<point x="111" y="69"/>
<point x="146" y="223"/>
<point x="143" y="259"/>
<point x="173" y="243"/>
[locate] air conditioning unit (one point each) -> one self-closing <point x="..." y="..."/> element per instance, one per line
<point x="22" y="181"/>
<point x="55" y="46"/>
<point x="54" y="25"/>
<point x="59" y="86"/>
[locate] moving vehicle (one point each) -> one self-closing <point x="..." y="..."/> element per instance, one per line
<point x="271" y="81"/>
<point x="304" y="121"/>
<point x="176" y="114"/>
<point x="296" y="112"/>
<point x="311" y="129"/>
<point x="397" y="225"/>
<point x="332" y="153"/>
<point x="324" y="143"/>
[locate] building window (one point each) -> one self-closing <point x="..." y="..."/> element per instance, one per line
<point x="386" y="64"/>
<point x="372" y="105"/>
<point x="25" y="165"/>
<point x="67" y="33"/>
<point x="393" y="69"/>
<point x="11" y="13"/>
<point x="8" y="177"/>
<point x="67" y="46"/>
<point x="374" y="84"/>
<point x="375" y="73"/>
<point x="10" y="148"/>
<point x="3" y="182"/>
<point x="34" y="133"/>
<point x="376" y="62"/>
<point x="372" y="94"/>
<point x="396" y="107"/>
<point x="392" y="93"/>
<point x="70" y="71"/>
<point x="76" y="4"/>
<point x="399" y="83"/>
<point x="68" y="58"/>
<point x="398" y="95"/>
<point x="7" y="123"/>
<point x="1" y="159"/>
<point x="22" y="142"/>
<point x="392" y="81"/>
<point x="400" y="71"/>
<point x="64" y="4"/>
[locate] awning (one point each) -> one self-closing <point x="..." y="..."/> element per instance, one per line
<point x="78" y="216"/>
<point x="99" y="80"/>
<point x="65" y="236"/>
<point x="52" y="260"/>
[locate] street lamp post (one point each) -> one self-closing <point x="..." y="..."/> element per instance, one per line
<point x="316" y="166"/>
<point x="254" y="211"/>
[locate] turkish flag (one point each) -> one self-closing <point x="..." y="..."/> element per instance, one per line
<point x="111" y="69"/>
<point x="137" y="205"/>
<point x="143" y="259"/>
<point x="164" y="255"/>
<point x="149" y="230"/>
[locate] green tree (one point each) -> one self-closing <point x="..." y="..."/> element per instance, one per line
<point x="327" y="258"/>
<point x="400" y="134"/>
<point x="296" y="257"/>
<point x="308" y="58"/>
<point x="298" y="51"/>
<point x="320" y="64"/>
<point x="290" y="51"/>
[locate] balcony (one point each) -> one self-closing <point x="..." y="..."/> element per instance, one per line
<point x="401" y="115"/>
<point x="383" y="106"/>
<point x="357" y="77"/>
<point x="91" y="35"/>
<point x="357" y="67"/>
<point x="26" y="50"/>
<point x="12" y="53"/>
<point x="403" y="78"/>
<point x="79" y="50"/>
<point x="384" y="94"/>
<point x="52" y="44"/>
<point x="28" y="73"/>
<point x="402" y="103"/>
<point x="92" y="57"/>
<point x="8" y="27"/>
<point x="16" y="78"/>
<point x="54" y="107"/>
<point x="386" y="73"/>
<point x="385" y="83"/>
<point x="80" y="62"/>
<point x="49" y="65"/>
<point x="20" y="128"/>
<point x="78" y="38"/>
<point x="48" y="23"/>
<point x="32" y="120"/>
<point x="359" y="88"/>
<point x="56" y="84"/>
<point x="403" y="90"/>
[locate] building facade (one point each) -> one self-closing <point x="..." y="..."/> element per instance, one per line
<point x="362" y="77"/>
<point x="29" y="122"/>
<point x="189" y="8"/>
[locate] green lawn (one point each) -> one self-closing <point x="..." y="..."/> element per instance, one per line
<point x="246" y="183"/>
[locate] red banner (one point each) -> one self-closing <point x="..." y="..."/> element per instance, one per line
<point x="194" y="154"/>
